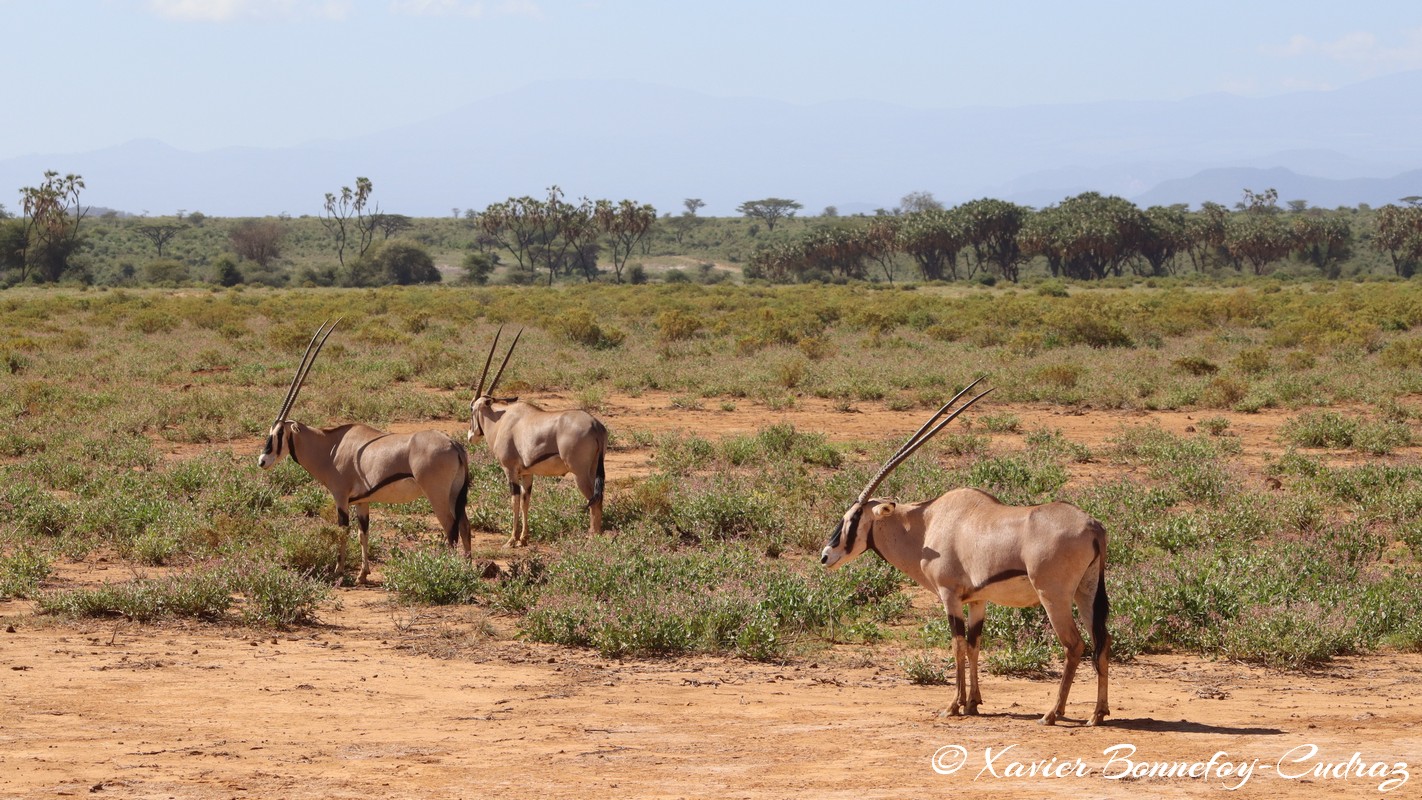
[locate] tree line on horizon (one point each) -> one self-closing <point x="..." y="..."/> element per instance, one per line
<point x="1086" y="237"/>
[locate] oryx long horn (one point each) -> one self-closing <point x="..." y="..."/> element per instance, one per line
<point x="909" y="442"/>
<point x="313" y="349"/>
<point x="884" y="470"/>
<point x="495" y="382"/>
<point x="917" y="441"/>
<point x="479" y="390"/>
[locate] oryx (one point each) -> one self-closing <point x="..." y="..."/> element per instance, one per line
<point x="360" y="465"/>
<point x="527" y="441"/>
<point x="966" y="547"/>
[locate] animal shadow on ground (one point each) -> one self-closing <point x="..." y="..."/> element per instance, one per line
<point x="1186" y="726"/>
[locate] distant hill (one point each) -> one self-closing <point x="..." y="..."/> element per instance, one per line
<point x="1223" y="186"/>
<point x="660" y="145"/>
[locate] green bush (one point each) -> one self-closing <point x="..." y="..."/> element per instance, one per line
<point x="579" y="326"/>
<point x="1330" y="429"/>
<point x="628" y="597"/>
<point x="924" y="670"/>
<point x="436" y="577"/>
<point x="22" y="571"/>
<point x="205" y="594"/>
<point x="1288" y="635"/>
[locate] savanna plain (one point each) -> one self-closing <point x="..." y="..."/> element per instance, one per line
<point x="173" y="622"/>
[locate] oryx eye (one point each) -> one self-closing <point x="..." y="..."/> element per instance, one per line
<point x="269" y="445"/>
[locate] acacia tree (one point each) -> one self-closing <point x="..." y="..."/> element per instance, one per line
<point x="769" y="210"/>
<point x="510" y="225"/>
<point x="345" y="218"/>
<point x="624" y="225"/>
<point x="391" y="224"/>
<point x="914" y="202"/>
<point x="257" y="240"/>
<point x="160" y="233"/>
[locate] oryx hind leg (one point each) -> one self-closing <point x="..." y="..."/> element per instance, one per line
<point x="453" y="517"/>
<point x="592" y="492"/>
<point x="1059" y="612"/>
<point x="1093" y="613"/>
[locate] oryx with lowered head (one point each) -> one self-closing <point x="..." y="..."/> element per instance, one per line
<point x="967" y="548"/>
<point x="527" y="441"/>
<point x="360" y="465"/>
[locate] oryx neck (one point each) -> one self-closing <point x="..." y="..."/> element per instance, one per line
<point x="894" y="541"/>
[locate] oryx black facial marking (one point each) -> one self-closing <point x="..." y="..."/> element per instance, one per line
<point x="853" y="531"/>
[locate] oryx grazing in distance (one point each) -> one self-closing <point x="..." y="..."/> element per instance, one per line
<point x="527" y="441"/>
<point x="360" y="465"/>
<point x="966" y="547"/>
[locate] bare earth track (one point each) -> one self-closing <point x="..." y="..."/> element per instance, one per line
<point x="382" y="701"/>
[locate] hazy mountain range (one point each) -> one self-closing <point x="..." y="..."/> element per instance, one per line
<point x="1357" y="144"/>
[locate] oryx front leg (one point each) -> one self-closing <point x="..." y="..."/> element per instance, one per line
<point x="960" y="660"/>
<point x="343" y="521"/>
<point x="1086" y="606"/>
<point x="515" y="490"/>
<point x="592" y="492"/>
<point x="526" y="497"/>
<point x="363" y="523"/>
<point x="976" y="613"/>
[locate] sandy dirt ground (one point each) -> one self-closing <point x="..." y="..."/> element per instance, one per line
<point x="384" y="701"/>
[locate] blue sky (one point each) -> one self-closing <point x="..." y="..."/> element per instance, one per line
<point x="80" y="75"/>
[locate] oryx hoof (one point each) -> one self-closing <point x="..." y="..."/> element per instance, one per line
<point x="972" y="710"/>
<point x="956" y="709"/>
<point x="1049" y="719"/>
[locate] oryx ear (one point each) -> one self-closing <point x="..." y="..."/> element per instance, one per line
<point x="883" y="510"/>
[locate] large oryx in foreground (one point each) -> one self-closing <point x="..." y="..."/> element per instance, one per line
<point x="528" y="441"/>
<point x="360" y="465"/>
<point x="966" y="547"/>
